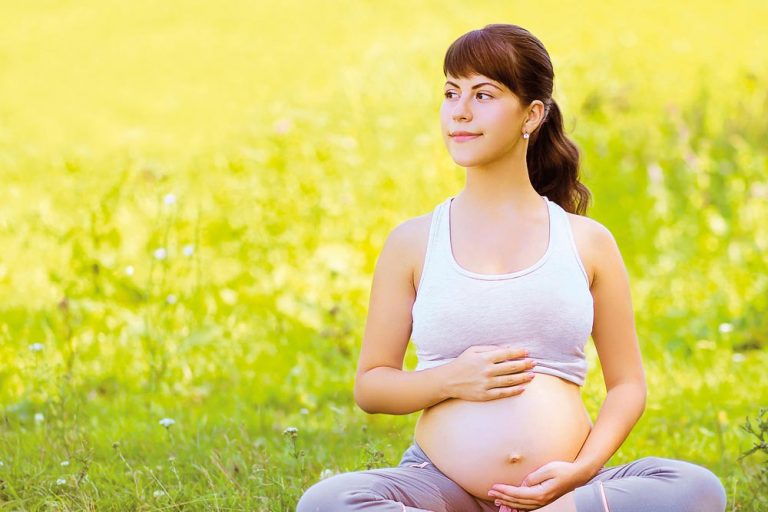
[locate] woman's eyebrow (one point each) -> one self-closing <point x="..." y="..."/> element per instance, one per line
<point x="474" y="86"/>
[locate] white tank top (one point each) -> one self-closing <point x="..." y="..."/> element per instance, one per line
<point x="546" y="308"/>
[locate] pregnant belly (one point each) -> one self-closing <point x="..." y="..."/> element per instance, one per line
<point x="478" y="444"/>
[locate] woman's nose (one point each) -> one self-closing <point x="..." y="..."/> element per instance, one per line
<point x="461" y="110"/>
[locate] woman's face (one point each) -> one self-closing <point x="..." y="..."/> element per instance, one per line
<point x="486" y="107"/>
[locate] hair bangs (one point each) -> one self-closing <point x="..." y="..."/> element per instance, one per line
<point x="479" y="52"/>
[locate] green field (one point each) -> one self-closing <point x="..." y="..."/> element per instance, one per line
<point x="194" y="195"/>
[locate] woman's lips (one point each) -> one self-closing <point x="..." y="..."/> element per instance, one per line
<point x="463" y="138"/>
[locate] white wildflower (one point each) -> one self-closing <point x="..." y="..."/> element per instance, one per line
<point x="158" y="493"/>
<point x="283" y="125"/>
<point x="171" y="299"/>
<point x="167" y="422"/>
<point x="326" y="473"/>
<point x="725" y="327"/>
<point x="655" y="174"/>
<point x="65" y="463"/>
<point x="291" y="431"/>
<point x="129" y="270"/>
<point x="39" y="418"/>
<point x="738" y="357"/>
<point x="303" y="410"/>
<point x="36" y="347"/>
<point x="61" y="481"/>
<point x="228" y="295"/>
<point x="160" y="253"/>
<point x="2" y="464"/>
<point x="169" y="199"/>
<point x="189" y="250"/>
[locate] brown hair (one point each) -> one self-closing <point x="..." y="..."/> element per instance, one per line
<point x="513" y="56"/>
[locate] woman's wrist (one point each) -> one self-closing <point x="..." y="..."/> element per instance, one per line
<point x="586" y="470"/>
<point x="443" y="375"/>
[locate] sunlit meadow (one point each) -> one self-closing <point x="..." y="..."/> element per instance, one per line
<point x="194" y="195"/>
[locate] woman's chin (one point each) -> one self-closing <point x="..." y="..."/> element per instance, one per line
<point x="468" y="160"/>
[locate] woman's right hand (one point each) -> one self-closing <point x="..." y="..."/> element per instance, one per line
<point x="488" y="372"/>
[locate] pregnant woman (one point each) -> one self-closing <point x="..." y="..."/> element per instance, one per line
<point x="500" y="287"/>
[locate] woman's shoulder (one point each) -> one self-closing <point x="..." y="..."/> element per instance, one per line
<point x="588" y="227"/>
<point x="412" y="230"/>
<point x="409" y="239"/>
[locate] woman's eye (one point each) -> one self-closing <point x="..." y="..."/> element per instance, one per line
<point x="449" y="93"/>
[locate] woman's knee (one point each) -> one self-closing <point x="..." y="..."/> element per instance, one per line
<point x="698" y="488"/>
<point x="335" y="493"/>
<point x="708" y="488"/>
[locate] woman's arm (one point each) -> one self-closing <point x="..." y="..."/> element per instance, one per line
<point x="381" y="386"/>
<point x="388" y="390"/>
<point x="615" y="338"/>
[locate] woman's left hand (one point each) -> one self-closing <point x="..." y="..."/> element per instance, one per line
<point x="540" y="487"/>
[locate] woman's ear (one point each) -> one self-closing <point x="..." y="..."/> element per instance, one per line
<point x="535" y="116"/>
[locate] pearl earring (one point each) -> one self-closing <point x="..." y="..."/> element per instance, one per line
<point x="525" y="135"/>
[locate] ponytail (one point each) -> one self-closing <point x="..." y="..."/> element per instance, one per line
<point x="553" y="163"/>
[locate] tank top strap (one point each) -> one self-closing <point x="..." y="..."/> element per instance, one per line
<point x="564" y="248"/>
<point x="432" y="255"/>
<point x="558" y="225"/>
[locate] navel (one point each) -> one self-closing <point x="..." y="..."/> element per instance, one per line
<point x="514" y="458"/>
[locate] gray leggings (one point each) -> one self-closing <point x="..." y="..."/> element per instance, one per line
<point x="650" y="484"/>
